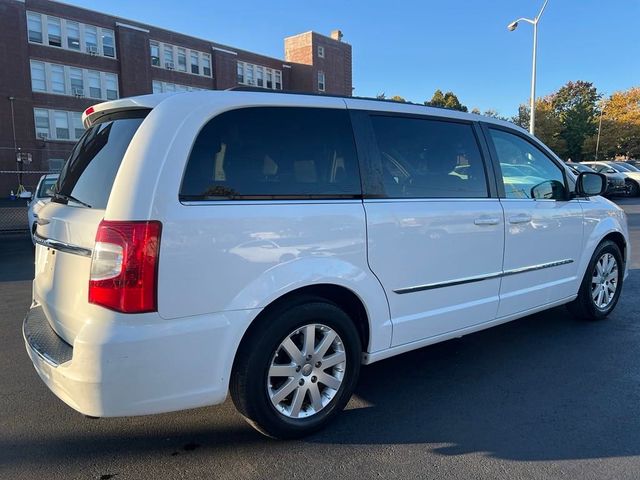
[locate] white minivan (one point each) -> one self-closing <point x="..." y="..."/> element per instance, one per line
<point x="268" y="244"/>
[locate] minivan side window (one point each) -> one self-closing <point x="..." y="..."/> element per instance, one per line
<point x="271" y="153"/>
<point x="423" y="158"/>
<point x="525" y="168"/>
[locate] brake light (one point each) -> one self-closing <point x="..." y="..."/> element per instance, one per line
<point x="124" y="266"/>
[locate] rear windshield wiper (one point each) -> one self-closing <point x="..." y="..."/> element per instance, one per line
<point x="66" y="197"/>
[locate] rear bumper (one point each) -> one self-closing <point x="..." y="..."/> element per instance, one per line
<point x="138" y="366"/>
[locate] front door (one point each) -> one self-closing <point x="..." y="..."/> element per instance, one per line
<point x="435" y="239"/>
<point x="543" y="237"/>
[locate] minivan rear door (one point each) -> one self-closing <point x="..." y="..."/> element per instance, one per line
<point x="435" y="229"/>
<point x="67" y="226"/>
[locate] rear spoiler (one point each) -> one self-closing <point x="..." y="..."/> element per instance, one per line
<point x="146" y="102"/>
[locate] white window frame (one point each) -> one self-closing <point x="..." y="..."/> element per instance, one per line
<point x="320" y="51"/>
<point x="66" y="74"/>
<point x="268" y="74"/>
<point x="158" y="86"/>
<point x="64" y="40"/>
<point x="322" y="84"/>
<point x="189" y="56"/>
<point x="50" y="114"/>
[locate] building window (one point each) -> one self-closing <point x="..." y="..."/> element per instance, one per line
<point x="269" y="78"/>
<point x="38" y="77"/>
<point x="108" y="44"/>
<point x="155" y="54"/>
<point x="76" y="121"/>
<point x="73" y="35"/>
<point x="258" y="75"/>
<point x="95" y="89"/>
<point x="66" y="80"/>
<point x="34" y="26"/>
<point x="57" y="79"/>
<point x="175" y="58"/>
<point x="54" y="32"/>
<point x="76" y="82"/>
<point x="195" y="64"/>
<point x="61" y="122"/>
<point x="278" y="75"/>
<point x="182" y="60"/>
<point x="168" y="57"/>
<point x="321" y="83"/>
<point x="56" y="164"/>
<point x="70" y="35"/>
<point x="42" y="123"/>
<point x="91" y="39"/>
<point x="206" y="65"/>
<point x="166" y="87"/>
<point x="320" y="51"/>
<point x="240" y="72"/>
<point x="58" y="124"/>
<point x="111" y="86"/>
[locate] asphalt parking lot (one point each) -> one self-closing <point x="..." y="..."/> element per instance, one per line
<point x="542" y="397"/>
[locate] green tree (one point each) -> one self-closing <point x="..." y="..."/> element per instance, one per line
<point x="446" y="100"/>
<point x="381" y="96"/>
<point x="476" y="110"/>
<point x="575" y="105"/>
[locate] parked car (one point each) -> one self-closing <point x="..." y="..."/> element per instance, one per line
<point x="149" y="295"/>
<point x="616" y="184"/>
<point x="42" y="195"/>
<point x="631" y="178"/>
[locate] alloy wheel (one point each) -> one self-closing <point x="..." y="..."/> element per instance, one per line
<point x="604" y="282"/>
<point x="306" y="371"/>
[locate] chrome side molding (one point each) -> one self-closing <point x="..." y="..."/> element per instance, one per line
<point x="480" y="278"/>
<point x="61" y="246"/>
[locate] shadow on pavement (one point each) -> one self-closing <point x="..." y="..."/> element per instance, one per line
<point x="15" y="249"/>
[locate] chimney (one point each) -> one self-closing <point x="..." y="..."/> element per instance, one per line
<point x="336" y="35"/>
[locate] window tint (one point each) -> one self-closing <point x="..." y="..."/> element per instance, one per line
<point x="266" y="152"/>
<point x="524" y="166"/>
<point x="429" y="158"/>
<point x="89" y="173"/>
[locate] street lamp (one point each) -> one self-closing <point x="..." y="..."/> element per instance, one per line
<point x="512" y="26"/>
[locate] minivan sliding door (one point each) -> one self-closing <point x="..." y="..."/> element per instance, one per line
<point x="435" y="234"/>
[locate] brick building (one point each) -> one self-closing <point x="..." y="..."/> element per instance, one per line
<point x="59" y="59"/>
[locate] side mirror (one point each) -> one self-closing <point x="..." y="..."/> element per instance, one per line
<point x="589" y="184"/>
<point x="549" y="190"/>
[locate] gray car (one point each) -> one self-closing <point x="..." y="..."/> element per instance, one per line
<point x="615" y="181"/>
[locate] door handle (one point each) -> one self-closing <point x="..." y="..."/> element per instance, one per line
<point x="520" y="218"/>
<point x="487" y="221"/>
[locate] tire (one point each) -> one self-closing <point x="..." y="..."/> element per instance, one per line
<point x="271" y="403"/>
<point x="633" y="188"/>
<point x="585" y="306"/>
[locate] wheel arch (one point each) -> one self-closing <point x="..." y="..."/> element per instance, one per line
<point x="339" y="295"/>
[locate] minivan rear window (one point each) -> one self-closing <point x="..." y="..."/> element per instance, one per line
<point x="92" y="166"/>
<point x="273" y="153"/>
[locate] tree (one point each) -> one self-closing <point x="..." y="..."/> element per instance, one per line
<point x="381" y="96"/>
<point x="620" y="130"/>
<point x="494" y="114"/>
<point x="475" y="110"/>
<point x="398" y="98"/>
<point x="575" y="105"/>
<point x="447" y="100"/>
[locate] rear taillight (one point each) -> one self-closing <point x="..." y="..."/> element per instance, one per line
<point x="124" y="266"/>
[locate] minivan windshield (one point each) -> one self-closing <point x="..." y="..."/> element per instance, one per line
<point x="88" y="174"/>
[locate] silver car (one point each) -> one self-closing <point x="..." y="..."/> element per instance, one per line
<point x="42" y="196"/>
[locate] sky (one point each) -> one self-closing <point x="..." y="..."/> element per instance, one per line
<point x="412" y="48"/>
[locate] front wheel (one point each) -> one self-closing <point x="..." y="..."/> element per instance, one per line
<point x="297" y="369"/>
<point x="602" y="283"/>
<point x="633" y="188"/>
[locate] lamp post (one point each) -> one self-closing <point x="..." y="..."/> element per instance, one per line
<point x="512" y="26"/>
<point x="599" y="128"/>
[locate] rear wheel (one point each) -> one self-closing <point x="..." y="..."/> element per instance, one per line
<point x="602" y="283"/>
<point x="297" y="369"/>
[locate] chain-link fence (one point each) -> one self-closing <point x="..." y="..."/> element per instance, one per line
<point x="13" y="209"/>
